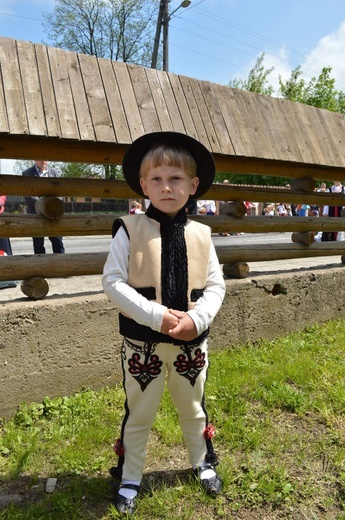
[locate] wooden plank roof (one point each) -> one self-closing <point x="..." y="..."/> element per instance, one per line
<point x="65" y="106"/>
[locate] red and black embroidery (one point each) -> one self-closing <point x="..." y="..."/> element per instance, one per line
<point x="148" y="369"/>
<point x="190" y="367"/>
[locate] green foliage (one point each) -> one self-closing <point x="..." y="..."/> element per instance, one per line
<point x="278" y="408"/>
<point x="121" y="30"/>
<point x="251" y="180"/>
<point x="90" y="171"/>
<point x="78" y="170"/>
<point x="320" y="92"/>
<point x="257" y="79"/>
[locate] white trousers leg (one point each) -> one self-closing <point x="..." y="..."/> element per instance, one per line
<point x="145" y="367"/>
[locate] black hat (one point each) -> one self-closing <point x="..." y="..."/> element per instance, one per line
<point x="135" y="153"/>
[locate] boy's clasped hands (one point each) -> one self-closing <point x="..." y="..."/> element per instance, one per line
<point x="178" y="324"/>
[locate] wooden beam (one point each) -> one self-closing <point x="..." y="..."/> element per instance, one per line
<point x="260" y="253"/>
<point x="111" y="189"/>
<point x="25" y="147"/>
<point x="22" y="267"/>
<point x="87" y="225"/>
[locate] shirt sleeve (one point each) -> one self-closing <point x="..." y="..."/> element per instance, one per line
<point x="209" y="304"/>
<point x="149" y="313"/>
<point x="125" y="297"/>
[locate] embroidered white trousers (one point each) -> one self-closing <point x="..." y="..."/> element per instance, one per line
<point x="146" y="366"/>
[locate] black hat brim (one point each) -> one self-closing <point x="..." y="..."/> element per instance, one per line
<point x="136" y="151"/>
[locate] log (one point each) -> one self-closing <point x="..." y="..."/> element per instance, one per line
<point x="235" y="208"/>
<point x="87" y="225"/>
<point x="113" y="189"/>
<point x="22" y="267"/>
<point x="306" y="238"/>
<point x="237" y="270"/>
<point x="68" y="225"/>
<point x="35" y="288"/>
<point x="259" y="253"/>
<point x="50" y="207"/>
<point x="305" y="185"/>
<point x="263" y="224"/>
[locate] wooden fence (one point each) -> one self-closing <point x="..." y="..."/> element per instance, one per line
<point x="232" y="219"/>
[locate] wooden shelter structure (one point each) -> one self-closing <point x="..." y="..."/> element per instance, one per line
<point x="64" y="106"/>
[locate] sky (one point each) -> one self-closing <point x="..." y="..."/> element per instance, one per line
<point x="220" y="40"/>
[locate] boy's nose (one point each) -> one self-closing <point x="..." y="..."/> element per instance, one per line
<point x="166" y="187"/>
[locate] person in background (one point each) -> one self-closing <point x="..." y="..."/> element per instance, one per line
<point x="322" y="189"/>
<point x="163" y="274"/>
<point x="332" y="211"/>
<point x="282" y="212"/>
<point x="220" y="203"/>
<point x="269" y="210"/>
<point x="41" y="169"/>
<point x="5" y="246"/>
<point x="136" y="208"/>
<point x="5" y="243"/>
<point x="208" y="205"/>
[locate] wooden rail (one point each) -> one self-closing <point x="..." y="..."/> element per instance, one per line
<point x="24" y="267"/>
<point x="87" y="225"/>
<point x="29" y="267"/>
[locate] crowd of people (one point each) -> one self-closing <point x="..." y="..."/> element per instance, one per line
<point x="311" y="210"/>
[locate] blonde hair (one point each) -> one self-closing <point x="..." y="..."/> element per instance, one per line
<point x="168" y="155"/>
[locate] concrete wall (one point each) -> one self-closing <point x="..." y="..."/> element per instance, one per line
<point x="58" y="346"/>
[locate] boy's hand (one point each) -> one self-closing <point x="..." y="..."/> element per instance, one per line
<point x="169" y="322"/>
<point x="186" y="329"/>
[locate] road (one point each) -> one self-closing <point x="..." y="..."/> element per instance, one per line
<point x="99" y="244"/>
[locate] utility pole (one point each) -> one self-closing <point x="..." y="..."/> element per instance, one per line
<point x="163" y="20"/>
<point x="166" y="20"/>
<point x="158" y="34"/>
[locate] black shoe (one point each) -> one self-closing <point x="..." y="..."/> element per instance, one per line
<point x="126" y="505"/>
<point x="212" y="486"/>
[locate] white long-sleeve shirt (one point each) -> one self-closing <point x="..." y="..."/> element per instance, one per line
<point x="150" y="313"/>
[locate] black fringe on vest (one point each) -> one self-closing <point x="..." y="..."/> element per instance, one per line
<point x="174" y="263"/>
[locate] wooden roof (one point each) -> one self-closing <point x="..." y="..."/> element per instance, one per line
<point x="66" y="106"/>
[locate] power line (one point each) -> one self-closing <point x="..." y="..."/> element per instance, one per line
<point x="224" y="45"/>
<point x="252" y="33"/>
<point x="241" y="28"/>
<point x="24" y="17"/>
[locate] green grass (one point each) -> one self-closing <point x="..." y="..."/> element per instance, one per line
<point x="279" y="411"/>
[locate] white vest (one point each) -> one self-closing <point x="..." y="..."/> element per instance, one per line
<point x="144" y="269"/>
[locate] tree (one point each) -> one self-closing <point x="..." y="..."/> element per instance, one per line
<point x="320" y="92"/>
<point x="120" y="30"/>
<point x="89" y="171"/>
<point x="77" y="170"/>
<point x="294" y="88"/>
<point x="257" y="79"/>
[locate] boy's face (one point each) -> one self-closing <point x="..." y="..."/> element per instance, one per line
<point x="168" y="188"/>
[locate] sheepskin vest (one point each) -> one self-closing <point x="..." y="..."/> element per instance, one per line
<point x="168" y="263"/>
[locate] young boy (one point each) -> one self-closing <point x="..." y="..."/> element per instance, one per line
<point x="163" y="274"/>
